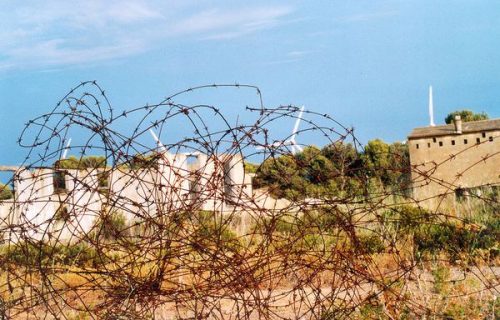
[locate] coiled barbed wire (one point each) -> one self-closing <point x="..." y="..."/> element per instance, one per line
<point x="130" y="228"/>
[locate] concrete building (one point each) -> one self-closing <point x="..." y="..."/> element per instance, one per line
<point x="52" y="203"/>
<point x="448" y="160"/>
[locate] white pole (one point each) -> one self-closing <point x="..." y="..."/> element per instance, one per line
<point x="65" y="152"/>
<point x="431" y="108"/>
<point x="158" y="142"/>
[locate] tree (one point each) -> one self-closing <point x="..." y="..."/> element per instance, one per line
<point x="343" y="156"/>
<point x="376" y="157"/>
<point x="87" y="162"/>
<point x="315" y="167"/>
<point x="250" y="167"/>
<point x="347" y="162"/>
<point x="399" y="173"/>
<point x="466" y="116"/>
<point x="277" y="173"/>
<point x="388" y="164"/>
<point x="336" y="170"/>
<point x="5" y="192"/>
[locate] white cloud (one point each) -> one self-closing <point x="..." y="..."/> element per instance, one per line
<point x="41" y="34"/>
<point x="299" y="53"/>
<point x="218" y="24"/>
<point x="364" y="17"/>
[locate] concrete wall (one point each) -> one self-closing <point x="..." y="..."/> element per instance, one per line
<point x="36" y="202"/>
<point x="440" y="165"/>
<point x="133" y="192"/>
<point x="151" y="191"/>
<point x="83" y="203"/>
<point x="207" y="183"/>
<point x="238" y="186"/>
<point x="6" y="216"/>
<point x="217" y="184"/>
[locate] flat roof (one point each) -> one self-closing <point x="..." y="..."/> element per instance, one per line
<point x="449" y="129"/>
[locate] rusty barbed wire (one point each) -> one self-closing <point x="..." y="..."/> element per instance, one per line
<point x="232" y="221"/>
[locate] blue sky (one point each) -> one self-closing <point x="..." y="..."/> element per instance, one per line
<point x="366" y="63"/>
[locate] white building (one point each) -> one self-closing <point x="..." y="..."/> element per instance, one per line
<point x="52" y="203"/>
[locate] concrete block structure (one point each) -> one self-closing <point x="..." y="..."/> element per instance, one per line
<point x="448" y="159"/>
<point x="36" y="201"/>
<point x="64" y="203"/>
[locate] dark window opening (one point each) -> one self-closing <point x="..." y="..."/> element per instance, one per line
<point x="428" y="145"/>
<point x="440" y="143"/>
<point x="478" y="141"/>
<point x="465" y="141"/>
<point x="490" y="138"/>
<point x="460" y="194"/>
<point x="417" y="146"/>
<point x="484" y="134"/>
<point x="452" y="142"/>
<point x="434" y="140"/>
<point x="59" y="181"/>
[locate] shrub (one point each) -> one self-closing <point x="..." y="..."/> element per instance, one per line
<point x="251" y="167"/>
<point x="441" y="276"/>
<point x="28" y="254"/>
<point x="370" y="243"/>
<point x="88" y="162"/>
<point x="5" y="192"/>
<point x="213" y="232"/>
<point x="111" y="226"/>
<point x="456" y="240"/>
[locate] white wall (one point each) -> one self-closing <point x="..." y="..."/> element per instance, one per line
<point x="214" y="184"/>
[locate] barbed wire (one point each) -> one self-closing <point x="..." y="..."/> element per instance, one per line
<point x="230" y="221"/>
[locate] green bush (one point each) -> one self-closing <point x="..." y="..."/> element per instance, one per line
<point x="407" y="220"/>
<point x="251" y="167"/>
<point x="28" y="254"/>
<point x="5" y="192"/>
<point x="212" y="232"/>
<point x="87" y="162"/>
<point x="456" y="240"/>
<point x="441" y="276"/>
<point x="370" y="243"/>
<point x="337" y="170"/>
<point x="111" y="226"/>
<point x="466" y="116"/>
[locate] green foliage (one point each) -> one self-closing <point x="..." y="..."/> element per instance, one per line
<point x="407" y="218"/>
<point x="372" y="309"/>
<point x="441" y="276"/>
<point x="5" y="192"/>
<point x="314" y="167"/>
<point x="388" y="163"/>
<point x="139" y="161"/>
<point x="111" y="226"/>
<point x="431" y="235"/>
<point x="472" y="308"/>
<point x="279" y="174"/>
<point x="87" y="162"/>
<point x="466" y="116"/>
<point x="310" y="173"/>
<point x="28" y="254"/>
<point x="456" y="239"/>
<point x="376" y="155"/>
<point x="337" y="170"/>
<point x="251" y="167"/>
<point x="399" y="173"/>
<point x="212" y="231"/>
<point x="370" y="243"/>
